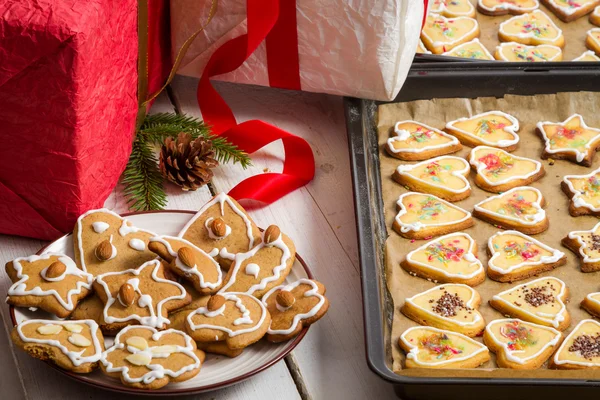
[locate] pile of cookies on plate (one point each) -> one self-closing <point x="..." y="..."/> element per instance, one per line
<point x="217" y="287"/>
<point x="535" y="310"/>
<point x="451" y="29"/>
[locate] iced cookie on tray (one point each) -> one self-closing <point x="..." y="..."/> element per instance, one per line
<point x="534" y="28"/>
<point x="421" y="48"/>
<point x="592" y="40"/>
<point x="541" y="301"/>
<point x="595" y="16"/>
<point x="445" y="177"/>
<point x="520" y="344"/>
<point x="591" y="304"/>
<point x="584" y="192"/>
<point x="586" y="245"/>
<point x="492" y="128"/>
<point x="516" y="52"/>
<point x="448" y="259"/>
<point x="452" y="8"/>
<point x="474" y="50"/>
<point x="587" y="56"/>
<point x="580" y="350"/>
<point x="515" y="256"/>
<point x="441" y="34"/>
<point x="503" y="7"/>
<point x="428" y="347"/>
<point x="414" y="141"/>
<point x="449" y="306"/>
<point x="422" y="216"/>
<point x="570" y="10"/>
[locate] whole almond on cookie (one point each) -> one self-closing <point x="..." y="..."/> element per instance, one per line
<point x="215" y="302"/>
<point x="272" y="234"/>
<point x="186" y="255"/>
<point x="104" y="250"/>
<point x="126" y="294"/>
<point x="285" y="298"/>
<point x="219" y="227"/>
<point x="55" y="270"/>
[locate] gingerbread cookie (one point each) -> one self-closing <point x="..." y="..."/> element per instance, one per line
<point x="445" y="177"/>
<point x="294" y="307"/>
<point x="499" y="171"/>
<point x="138" y="296"/>
<point x="492" y="128"/>
<point x="587" y="56"/>
<point x="595" y="16"/>
<point x="222" y="228"/>
<point x="448" y="259"/>
<point x="520" y="344"/>
<point x="515" y="256"/>
<point x="144" y="358"/>
<point x="516" y="52"/>
<point x="421" y="216"/>
<point x="584" y="192"/>
<point x="441" y="34"/>
<point x="591" y="304"/>
<point x="586" y="244"/>
<point x="428" y="347"/>
<point x="570" y="140"/>
<point x="449" y="306"/>
<point x="474" y="50"/>
<point x="452" y="8"/>
<point x="106" y="242"/>
<point x="580" y="349"/>
<point x="414" y="141"/>
<point x="238" y="319"/>
<point x="570" y="10"/>
<point x="533" y="28"/>
<point x="50" y="281"/>
<point x="519" y="208"/>
<point x="503" y="7"/>
<point x="72" y="345"/>
<point x="421" y="48"/>
<point x="592" y="40"/>
<point x="541" y="301"/>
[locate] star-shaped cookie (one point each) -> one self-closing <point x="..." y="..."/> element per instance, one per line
<point x="441" y="34"/>
<point x="503" y="7"/>
<point x="415" y="141"/>
<point x="533" y="28"/>
<point x="580" y="349"/>
<point x="138" y="296"/>
<point x="492" y="128"/>
<point x="516" y="52"/>
<point x="584" y="192"/>
<point x="50" y="281"/>
<point x="452" y="8"/>
<point x="570" y="140"/>
<point x="586" y="245"/>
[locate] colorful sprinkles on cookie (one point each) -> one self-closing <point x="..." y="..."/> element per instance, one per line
<point x="501" y="7"/>
<point x="516" y="52"/>
<point x="452" y="8"/>
<point x="531" y="29"/>
<point x="571" y="139"/>
<point x="584" y="191"/>
<point x="412" y="139"/>
<point x="441" y="34"/>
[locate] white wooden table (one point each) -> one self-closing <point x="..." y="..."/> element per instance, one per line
<point x="330" y="362"/>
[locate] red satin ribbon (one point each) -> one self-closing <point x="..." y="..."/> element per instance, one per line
<point x="299" y="164"/>
<point x="425" y="6"/>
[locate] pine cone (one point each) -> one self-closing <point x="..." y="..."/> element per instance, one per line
<point x="187" y="162"/>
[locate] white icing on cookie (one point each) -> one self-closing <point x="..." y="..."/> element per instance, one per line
<point x="579" y="155"/>
<point x="404" y="169"/>
<point x="417" y="226"/>
<point x="403" y="135"/>
<point x="578" y="196"/>
<point x="100" y="226"/>
<point x="210" y="232"/>
<point x="482" y="167"/>
<point x="574" y="332"/>
<point x="531" y="33"/>
<point x="252" y="269"/>
<point x="507" y="6"/>
<point x="509" y="129"/>
<point x="531" y="219"/>
<point x="583" y="245"/>
<point x="137" y="244"/>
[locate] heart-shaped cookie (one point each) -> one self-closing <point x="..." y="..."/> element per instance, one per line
<point x="499" y="171"/>
<point x="474" y="50"/>
<point x="445" y="177"/>
<point x="541" y="301"/>
<point x="587" y="56"/>
<point x="516" y="52"/>
<point x="592" y="40"/>
<point x="580" y="349"/>
<point x="492" y="128"/>
<point x="421" y="216"/>
<point x="586" y="244"/>
<point x="441" y="34"/>
<point x="449" y="306"/>
<point x="519" y="208"/>
<point x="503" y="7"/>
<point x="533" y="28"/>
<point x="414" y="141"/>
<point x="570" y="10"/>
<point x="452" y="8"/>
<point x="428" y="347"/>
<point x="515" y="256"/>
<point x="584" y="192"/>
<point x="572" y="140"/>
<point x="448" y="259"/>
<point x="520" y="344"/>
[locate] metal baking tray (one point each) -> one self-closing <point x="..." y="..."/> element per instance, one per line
<point x="427" y="81"/>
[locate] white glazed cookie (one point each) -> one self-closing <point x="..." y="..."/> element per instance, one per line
<point x="521" y="344"/>
<point x="428" y="347"/>
<point x="519" y="208"/>
<point x="517" y="52"/>
<point x="503" y="7"/>
<point x="533" y="28"/>
<point x="586" y="245"/>
<point x="421" y="216"/>
<point x="570" y="10"/>
<point x="421" y="49"/>
<point x="592" y="40"/>
<point x="499" y="171"/>
<point x="570" y="140"/>
<point x="473" y="49"/>
<point x="450" y="306"/>
<point x="591" y="304"/>
<point x="541" y="301"/>
<point x="448" y="259"/>
<point x="515" y="256"/>
<point x="444" y="176"/>
<point x="595" y="16"/>
<point x="452" y="8"/>
<point x="441" y="34"/>
<point x="580" y="349"/>
<point x="492" y="128"/>
<point x="584" y="192"/>
<point x="414" y="141"/>
<point x="588" y="56"/>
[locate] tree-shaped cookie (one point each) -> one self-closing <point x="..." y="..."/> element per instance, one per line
<point x="541" y="301"/>
<point x="422" y="216"/>
<point x="586" y="245"/>
<point x="415" y="141"/>
<point x="72" y="345"/>
<point x="262" y="268"/>
<point x="519" y="208"/>
<point x="492" y="128"/>
<point x="452" y="8"/>
<point x="450" y="306"/>
<point x="50" y="281"/>
<point x="138" y="296"/>
<point x="570" y="10"/>
<point x="294" y="307"/>
<point x="515" y="256"/>
<point x="222" y="228"/>
<point x="584" y="192"/>
<point x="448" y="259"/>
<point x="520" y="344"/>
<point x="106" y="242"/>
<point x="473" y="49"/>
<point x="441" y="34"/>
<point x="238" y="319"/>
<point x="445" y="177"/>
<point x="189" y="262"/>
<point x="499" y="171"/>
<point x="428" y="347"/>
<point x="580" y="349"/>
<point x="570" y="140"/>
<point x="517" y="52"/>
<point x="533" y="28"/>
<point x="144" y="358"/>
<point x="503" y="7"/>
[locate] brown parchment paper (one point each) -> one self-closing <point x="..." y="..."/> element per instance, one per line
<point x="528" y="110"/>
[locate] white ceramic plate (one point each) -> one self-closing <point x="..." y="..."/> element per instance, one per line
<point x="217" y="371"/>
